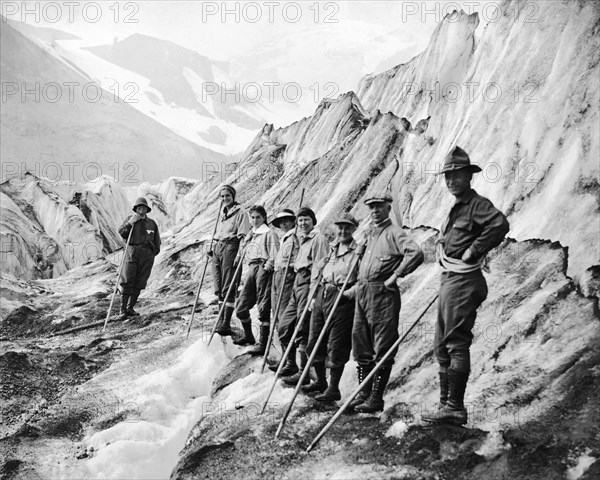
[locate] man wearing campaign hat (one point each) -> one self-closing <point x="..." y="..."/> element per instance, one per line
<point x="313" y="247"/>
<point x="233" y="227"/>
<point x="473" y="227"/>
<point x="334" y="350"/>
<point x="390" y="254"/>
<point x="144" y="245"/>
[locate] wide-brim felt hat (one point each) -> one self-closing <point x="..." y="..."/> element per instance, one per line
<point x="141" y="201"/>
<point x="346" y="219"/>
<point x="458" y="159"/>
<point x="285" y="213"/>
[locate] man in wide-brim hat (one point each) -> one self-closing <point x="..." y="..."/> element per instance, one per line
<point x="144" y="245"/>
<point x="473" y="227"/>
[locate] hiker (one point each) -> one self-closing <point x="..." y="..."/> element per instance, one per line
<point x="473" y="227"/>
<point x="284" y="221"/>
<point x="334" y="350"/>
<point x="390" y="254"/>
<point x="144" y="245"/>
<point x="233" y="227"/>
<point x="313" y="247"/>
<point x="261" y="248"/>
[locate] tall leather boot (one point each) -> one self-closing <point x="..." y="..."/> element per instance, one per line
<point x="375" y="401"/>
<point x="333" y="390"/>
<point x="290" y="367"/>
<point x="443" y="387"/>
<point x="259" y="349"/>
<point x="363" y="372"/>
<point x="224" y="326"/>
<point x="293" y="380"/>
<point x="248" y="337"/>
<point x="124" y="302"/>
<point x="132" y="301"/>
<point x="454" y="411"/>
<point x="319" y="384"/>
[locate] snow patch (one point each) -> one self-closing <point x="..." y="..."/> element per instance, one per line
<point x="583" y="463"/>
<point x="493" y="446"/>
<point x="397" y="430"/>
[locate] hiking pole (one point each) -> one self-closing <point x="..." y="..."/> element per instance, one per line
<point x="368" y="378"/>
<point x="112" y="300"/>
<point x="229" y="290"/>
<point x="297" y="329"/>
<point x="313" y="354"/>
<point x="280" y="296"/>
<point x="204" y="271"/>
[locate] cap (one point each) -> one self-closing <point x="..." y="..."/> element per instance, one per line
<point x="346" y="219"/>
<point x="384" y="197"/>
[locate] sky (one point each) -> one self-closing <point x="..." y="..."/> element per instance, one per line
<point x="222" y="30"/>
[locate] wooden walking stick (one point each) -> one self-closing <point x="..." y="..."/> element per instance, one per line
<point x="357" y="255"/>
<point x="112" y="300"/>
<point x="297" y="329"/>
<point x="204" y="271"/>
<point x="280" y="296"/>
<point x="231" y="285"/>
<point x="368" y="378"/>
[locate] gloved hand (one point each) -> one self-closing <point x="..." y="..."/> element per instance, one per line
<point x="134" y="218"/>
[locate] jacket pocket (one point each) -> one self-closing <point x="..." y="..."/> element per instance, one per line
<point x="463" y="224"/>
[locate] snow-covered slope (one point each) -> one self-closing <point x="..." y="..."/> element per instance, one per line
<point x="72" y="130"/>
<point x="177" y="87"/>
<point x="186" y="92"/>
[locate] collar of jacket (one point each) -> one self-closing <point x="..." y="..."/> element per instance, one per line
<point x="377" y="229"/>
<point x="264" y="228"/>
<point x="289" y="233"/>
<point x="228" y="212"/>
<point x="303" y="238"/>
<point x="336" y="246"/>
<point x="467" y="198"/>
